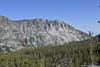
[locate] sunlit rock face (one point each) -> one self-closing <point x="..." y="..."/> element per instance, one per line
<point x="18" y="34"/>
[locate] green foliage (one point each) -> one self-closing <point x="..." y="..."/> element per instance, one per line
<point x="67" y="55"/>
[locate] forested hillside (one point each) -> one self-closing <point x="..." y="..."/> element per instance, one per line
<point x="68" y="55"/>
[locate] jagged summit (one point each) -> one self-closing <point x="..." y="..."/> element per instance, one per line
<point x="3" y="17"/>
<point x="40" y="20"/>
<point x="18" y="34"/>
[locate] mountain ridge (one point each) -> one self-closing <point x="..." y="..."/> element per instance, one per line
<point x="17" y="34"/>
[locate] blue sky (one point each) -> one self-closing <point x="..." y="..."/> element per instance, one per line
<point x="81" y="14"/>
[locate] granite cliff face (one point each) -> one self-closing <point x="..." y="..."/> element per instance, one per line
<point x="18" y="34"/>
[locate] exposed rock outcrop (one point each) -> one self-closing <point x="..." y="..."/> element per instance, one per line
<point x="17" y="34"/>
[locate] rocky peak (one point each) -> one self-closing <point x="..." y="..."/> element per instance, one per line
<point x="36" y="32"/>
<point x="3" y="18"/>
